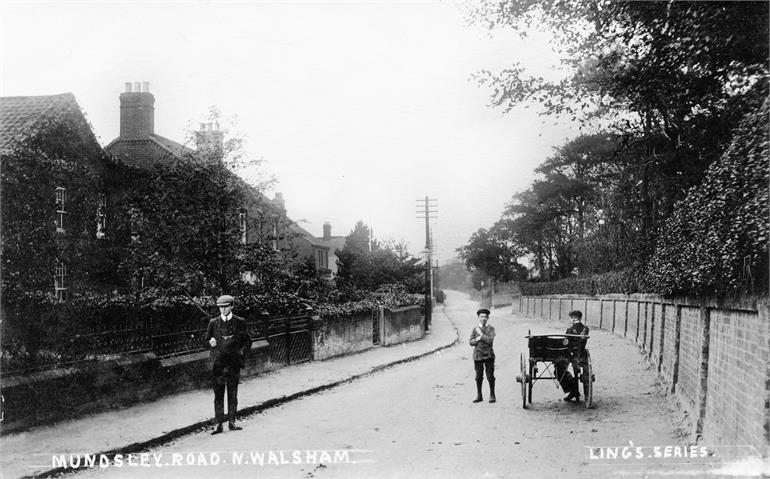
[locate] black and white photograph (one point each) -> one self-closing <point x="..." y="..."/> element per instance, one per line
<point x="384" y="239"/>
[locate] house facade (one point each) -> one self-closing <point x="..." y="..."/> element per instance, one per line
<point x="54" y="213"/>
<point x="262" y="218"/>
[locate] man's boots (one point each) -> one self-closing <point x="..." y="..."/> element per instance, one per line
<point x="492" y="397"/>
<point x="478" y="391"/>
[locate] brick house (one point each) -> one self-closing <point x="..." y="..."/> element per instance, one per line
<point x="139" y="146"/>
<point x="53" y="194"/>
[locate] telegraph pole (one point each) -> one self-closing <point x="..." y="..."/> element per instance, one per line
<point x="429" y="211"/>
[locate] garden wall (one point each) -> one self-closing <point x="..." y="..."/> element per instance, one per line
<point x="336" y="336"/>
<point x="402" y="324"/>
<point x="713" y="355"/>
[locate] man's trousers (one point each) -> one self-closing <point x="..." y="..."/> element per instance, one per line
<point x="225" y="377"/>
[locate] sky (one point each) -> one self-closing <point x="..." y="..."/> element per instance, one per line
<point x="357" y="109"/>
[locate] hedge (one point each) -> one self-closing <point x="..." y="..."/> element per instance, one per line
<point x="716" y="241"/>
<point x="626" y="282"/>
<point x="39" y="331"/>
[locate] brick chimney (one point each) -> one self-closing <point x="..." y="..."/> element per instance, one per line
<point x="137" y="112"/>
<point x="209" y="142"/>
<point x="327" y="231"/>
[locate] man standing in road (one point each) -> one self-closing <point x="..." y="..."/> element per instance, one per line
<point x="229" y="340"/>
<point x="570" y="384"/>
<point x="482" y="337"/>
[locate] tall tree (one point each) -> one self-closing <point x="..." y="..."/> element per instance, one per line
<point x="493" y="253"/>
<point x="366" y="264"/>
<point x="672" y="79"/>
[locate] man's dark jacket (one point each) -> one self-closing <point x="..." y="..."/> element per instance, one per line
<point x="232" y="350"/>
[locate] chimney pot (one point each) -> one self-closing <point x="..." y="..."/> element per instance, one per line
<point x="137" y="112"/>
<point x="146" y="86"/>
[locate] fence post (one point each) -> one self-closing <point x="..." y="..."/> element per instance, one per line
<point x="601" y="312"/>
<point x="614" y="313"/>
<point x="625" y="320"/>
<point x="677" y="342"/>
<point x="662" y="335"/>
<point x="651" y="342"/>
<point x="700" y="405"/>
<point x="638" y="317"/>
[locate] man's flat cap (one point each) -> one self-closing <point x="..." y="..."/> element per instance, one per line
<point x="225" y="300"/>
<point x="482" y="310"/>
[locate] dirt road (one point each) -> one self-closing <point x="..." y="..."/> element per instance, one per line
<point x="418" y="420"/>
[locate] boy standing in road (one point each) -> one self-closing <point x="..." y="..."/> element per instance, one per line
<point x="482" y="337"/>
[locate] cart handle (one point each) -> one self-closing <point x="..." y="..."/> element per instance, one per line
<point x="557" y="336"/>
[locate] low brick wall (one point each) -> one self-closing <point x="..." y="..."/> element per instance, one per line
<point x="715" y="356"/>
<point x="49" y="396"/>
<point x="342" y="335"/>
<point x="53" y="395"/>
<point x="402" y="324"/>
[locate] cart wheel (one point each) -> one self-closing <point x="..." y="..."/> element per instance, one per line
<point x="530" y="379"/>
<point x="588" y="381"/>
<point x="523" y="366"/>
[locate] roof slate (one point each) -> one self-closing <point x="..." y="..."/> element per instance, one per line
<point x="20" y="116"/>
<point x="334" y="243"/>
<point x="147" y="152"/>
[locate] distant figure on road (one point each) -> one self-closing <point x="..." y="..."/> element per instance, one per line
<point x="570" y="384"/>
<point x="482" y="338"/>
<point x="229" y="340"/>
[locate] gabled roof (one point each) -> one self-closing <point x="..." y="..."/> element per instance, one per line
<point x="334" y="243"/>
<point x="22" y="116"/>
<point x="148" y="151"/>
<point x="306" y="234"/>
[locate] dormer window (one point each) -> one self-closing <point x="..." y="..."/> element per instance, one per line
<point x="61" y="208"/>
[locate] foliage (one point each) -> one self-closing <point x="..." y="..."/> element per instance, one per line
<point x="582" y="216"/>
<point x="716" y="242"/>
<point x="183" y="225"/>
<point x="365" y="263"/>
<point x="219" y="140"/>
<point x="56" y="154"/>
<point x="664" y="86"/>
<point x="184" y="229"/>
<point x="38" y="330"/>
<point x="493" y="254"/>
<point x="626" y="282"/>
<point x="387" y="296"/>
